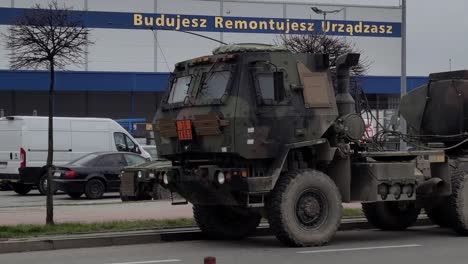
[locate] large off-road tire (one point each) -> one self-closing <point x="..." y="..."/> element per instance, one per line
<point x="21" y="189"/>
<point x="305" y="208"/>
<point x="95" y="189"/>
<point x="42" y="185"/>
<point x="457" y="205"/>
<point x="75" y="195"/>
<point x="224" y="222"/>
<point x="391" y="215"/>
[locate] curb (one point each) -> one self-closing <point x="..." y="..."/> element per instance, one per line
<point x="143" y="237"/>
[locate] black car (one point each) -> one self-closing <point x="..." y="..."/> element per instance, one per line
<point x="94" y="174"/>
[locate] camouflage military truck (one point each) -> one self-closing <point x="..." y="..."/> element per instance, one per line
<point x="256" y="131"/>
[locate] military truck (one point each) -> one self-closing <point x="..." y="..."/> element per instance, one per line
<point x="256" y="131"/>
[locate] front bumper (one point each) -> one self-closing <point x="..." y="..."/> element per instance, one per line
<point x="70" y="186"/>
<point x="202" y="185"/>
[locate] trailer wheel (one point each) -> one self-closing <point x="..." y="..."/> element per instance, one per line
<point x="457" y="206"/>
<point x="391" y="215"/>
<point x="305" y="208"/>
<point x="223" y="222"/>
<point x="21" y="189"/>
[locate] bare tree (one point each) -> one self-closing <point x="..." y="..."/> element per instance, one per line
<point x="48" y="37"/>
<point x="319" y="43"/>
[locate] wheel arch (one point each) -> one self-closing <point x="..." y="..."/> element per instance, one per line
<point x="338" y="166"/>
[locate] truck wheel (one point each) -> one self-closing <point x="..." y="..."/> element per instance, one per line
<point x="457" y="206"/>
<point x="94" y="189"/>
<point x="223" y="222"/>
<point x="22" y="189"/>
<point x="75" y="195"/>
<point x="305" y="208"/>
<point x="391" y="215"/>
<point x="42" y="186"/>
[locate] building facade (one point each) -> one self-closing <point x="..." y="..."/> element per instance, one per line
<point x="137" y="44"/>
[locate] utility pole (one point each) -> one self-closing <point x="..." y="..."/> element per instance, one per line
<point x="403" y="145"/>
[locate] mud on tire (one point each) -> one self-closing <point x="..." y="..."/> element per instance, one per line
<point x="305" y="208"/>
<point x="223" y="222"/>
<point x="391" y="215"/>
<point x="457" y="205"/>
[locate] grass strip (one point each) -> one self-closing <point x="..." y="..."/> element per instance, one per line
<point x="20" y="231"/>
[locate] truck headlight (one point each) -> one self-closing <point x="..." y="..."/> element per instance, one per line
<point x="165" y="178"/>
<point x="221" y="177"/>
<point x="140" y="175"/>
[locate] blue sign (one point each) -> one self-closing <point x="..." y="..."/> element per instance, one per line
<point x="178" y="22"/>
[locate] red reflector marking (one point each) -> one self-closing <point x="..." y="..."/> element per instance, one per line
<point x="184" y="129"/>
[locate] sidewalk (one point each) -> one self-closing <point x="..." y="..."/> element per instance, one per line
<point x="95" y="213"/>
<point x="102" y="212"/>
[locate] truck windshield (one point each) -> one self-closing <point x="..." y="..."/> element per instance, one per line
<point x="214" y="85"/>
<point x="179" y="89"/>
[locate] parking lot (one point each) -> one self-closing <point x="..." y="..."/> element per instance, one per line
<point x="30" y="209"/>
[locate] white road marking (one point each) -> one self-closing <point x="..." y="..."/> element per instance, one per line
<point x="357" y="249"/>
<point x="150" y="261"/>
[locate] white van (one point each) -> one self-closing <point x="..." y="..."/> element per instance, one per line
<point x="24" y="143"/>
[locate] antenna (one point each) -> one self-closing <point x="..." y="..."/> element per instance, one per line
<point x="199" y="35"/>
<point x="183" y="31"/>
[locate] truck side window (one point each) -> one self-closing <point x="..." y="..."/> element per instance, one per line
<point x="271" y="87"/>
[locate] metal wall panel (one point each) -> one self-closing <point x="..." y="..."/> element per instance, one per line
<point x="121" y="5"/>
<point x="115" y="105"/>
<point x="26" y="102"/>
<point x="136" y="50"/>
<point x="6" y="102"/>
<point x="72" y="104"/>
<point x="121" y="50"/>
<point x="75" y="4"/>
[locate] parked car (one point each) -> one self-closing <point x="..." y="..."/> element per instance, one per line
<point x="23" y="146"/>
<point x="94" y="174"/>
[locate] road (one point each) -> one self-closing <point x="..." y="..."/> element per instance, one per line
<point x="424" y="245"/>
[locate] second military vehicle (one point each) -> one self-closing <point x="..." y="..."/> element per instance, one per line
<point x="256" y="131"/>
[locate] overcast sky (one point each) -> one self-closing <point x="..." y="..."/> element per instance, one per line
<point x="437" y="31"/>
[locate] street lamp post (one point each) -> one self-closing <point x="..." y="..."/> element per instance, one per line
<point x="319" y="11"/>
<point x="403" y="145"/>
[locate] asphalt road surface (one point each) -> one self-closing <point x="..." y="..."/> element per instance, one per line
<point x="421" y="245"/>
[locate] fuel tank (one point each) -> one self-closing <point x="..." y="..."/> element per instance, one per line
<point x="439" y="108"/>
